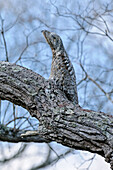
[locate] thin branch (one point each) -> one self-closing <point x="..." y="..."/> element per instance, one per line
<point x="27" y="44"/>
<point x="50" y="161"/>
<point x="4" y="40"/>
<point x="14" y="117"/>
<point x="91" y="161"/>
<point x="19" y="58"/>
<point x="16" y="155"/>
<point x="106" y="94"/>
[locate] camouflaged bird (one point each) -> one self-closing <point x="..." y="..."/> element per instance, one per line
<point x="62" y="71"/>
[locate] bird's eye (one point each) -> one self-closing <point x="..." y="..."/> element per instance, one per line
<point x="54" y="37"/>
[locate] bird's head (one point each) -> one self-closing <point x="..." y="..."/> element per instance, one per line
<point x="54" y="41"/>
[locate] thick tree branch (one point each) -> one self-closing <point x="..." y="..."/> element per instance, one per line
<point x="60" y="120"/>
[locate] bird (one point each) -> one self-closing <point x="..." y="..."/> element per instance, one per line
<point x="62" y="71"/>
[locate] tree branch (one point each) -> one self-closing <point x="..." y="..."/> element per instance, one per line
<point x="60" y="120"/>
<point x="9" y="135"/>
<point x="4" y="40"/>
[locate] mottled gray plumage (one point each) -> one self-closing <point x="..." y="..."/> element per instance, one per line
<point x="62" y="71"/>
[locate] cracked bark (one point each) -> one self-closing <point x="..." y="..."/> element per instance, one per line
<point x="60" y="120"/>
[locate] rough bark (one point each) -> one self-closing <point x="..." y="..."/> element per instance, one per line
<point x="60" y="120"/>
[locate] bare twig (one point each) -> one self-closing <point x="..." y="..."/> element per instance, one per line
<point x="5" y="112"/>
<point x="91" y="161"/>
<point x="16" y="155"/>
<point x="4" y="40"/>
<point x="27" y="44"/>
<point x="106" y="94"/>
<point x="14" y="116"/>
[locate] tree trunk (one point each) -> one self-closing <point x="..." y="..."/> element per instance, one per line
<point x="60" y="120"/>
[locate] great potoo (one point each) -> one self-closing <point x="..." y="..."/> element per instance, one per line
<point x="62" y="71"/>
